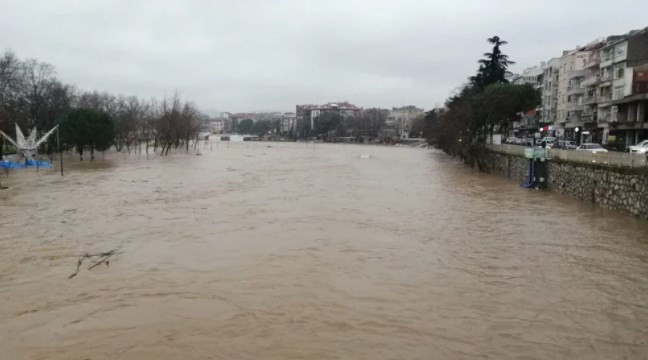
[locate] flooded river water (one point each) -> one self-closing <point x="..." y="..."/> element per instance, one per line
<point x="289" y="251"/>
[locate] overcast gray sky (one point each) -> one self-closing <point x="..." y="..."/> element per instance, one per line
<point x="257" y="55"/>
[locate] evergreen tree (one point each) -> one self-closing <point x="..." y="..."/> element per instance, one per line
<point x="494" y="67"/>
<point x="245" y="127"/>
<point x="88" y="128"/>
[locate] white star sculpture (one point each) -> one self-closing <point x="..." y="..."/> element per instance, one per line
<point x="27" y="148"/>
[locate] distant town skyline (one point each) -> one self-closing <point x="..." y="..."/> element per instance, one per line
<point x="270" y="55"/>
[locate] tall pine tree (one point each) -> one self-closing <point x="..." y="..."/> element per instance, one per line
<point x="494" y="67"/>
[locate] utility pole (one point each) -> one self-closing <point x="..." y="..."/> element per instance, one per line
<point x="58" y="146"/>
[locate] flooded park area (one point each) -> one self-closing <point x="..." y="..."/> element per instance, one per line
<point x="312" y="251"/>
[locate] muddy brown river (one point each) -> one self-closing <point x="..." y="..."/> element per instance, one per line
<point x="295" y="251"/>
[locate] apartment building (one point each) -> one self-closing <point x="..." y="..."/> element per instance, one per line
<point x="530" y="122"/>
<point x="549" y="91"/>
<point x="591" y="80"/>
<point x="570" y="106"/>
<point x="531" y="75"/>
<point x="306" y="114"/>
<point x="288" y="122"/>
<point x="400" y="118"/>
<point x="623" y="96"/>
<point x="217" y="126"/>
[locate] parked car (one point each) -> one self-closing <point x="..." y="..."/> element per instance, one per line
<point x="548" y="141"/>
<point x="592" y="147"/>
<point x="641" y="148"/>
<point x="567" y="144"/>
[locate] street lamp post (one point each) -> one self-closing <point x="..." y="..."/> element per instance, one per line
<point x="577" y="129"/>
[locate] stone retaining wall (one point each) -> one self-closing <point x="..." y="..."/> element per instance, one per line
<point x="624" y="189"/>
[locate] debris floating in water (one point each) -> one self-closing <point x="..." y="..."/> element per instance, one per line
<point x="104" y="256"/>
<point x="365" y="156"/>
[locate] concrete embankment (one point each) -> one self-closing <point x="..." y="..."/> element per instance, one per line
<point x="613" y="187"/>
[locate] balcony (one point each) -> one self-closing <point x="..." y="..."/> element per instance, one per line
<point x="575" y="90"/>
<point x="606" y="62"/>
<point x="603" y="118"/>
<point x="592" y="62"/>
<point x="606" y="77"/>
<point x="604" y="100"/>
<point x="590" y="114"/>
<point x="575" y="74"/>
<point x="573" y="120"/>
<point x="574" y="106"/>
<point x="591" y="80"/>
<point x="587" y="100"/>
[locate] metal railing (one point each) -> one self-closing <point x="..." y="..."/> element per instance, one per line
<point x="604" y="98"/>
<point x="592" y="62"/>
<point x="507" y="149"/>
<point x="611" y="158"/>
<point x="575" y="90"/>
<point x="590" y="80"/>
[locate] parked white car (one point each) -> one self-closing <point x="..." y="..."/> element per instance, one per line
<point x="641" y="148"/>
<point x="550" y="142"/>
<point x="592" y="147"/>
<point x="567" y="144"/>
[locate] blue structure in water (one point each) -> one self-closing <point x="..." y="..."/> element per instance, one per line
<point x="531" y="183"/>
<point x="534" y="154"/>
<point x="26" y="164"/>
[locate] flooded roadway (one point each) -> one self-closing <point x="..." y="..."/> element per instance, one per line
<point x="282" y="251"/>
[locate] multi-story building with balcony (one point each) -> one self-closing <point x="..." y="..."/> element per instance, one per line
<point x="216" y="126"/>
<point x="571" y="93"/>
<point x="306" y="114"/>
<point x="288" y="122"/>
<point x="401" y="119"/>
<point x="597" y="92"/>
<point x="590" y="83"/>
<point x="549" y="91"/>
<point x="532" y="76"/>
<point x="623" y="96"/>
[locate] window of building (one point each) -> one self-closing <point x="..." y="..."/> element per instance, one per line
<point x="618" y="92"/>
<point x="619" y="73"/>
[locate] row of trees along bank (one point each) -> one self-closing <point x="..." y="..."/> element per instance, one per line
<point x="366" y="123"/>
<point x="329" y="125"/>
<point x="31" y="95"/>
<point x="487" y="103"/>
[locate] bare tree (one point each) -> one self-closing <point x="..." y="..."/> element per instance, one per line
<point x="31" y="95"/>
<point x="39" y="80"/>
